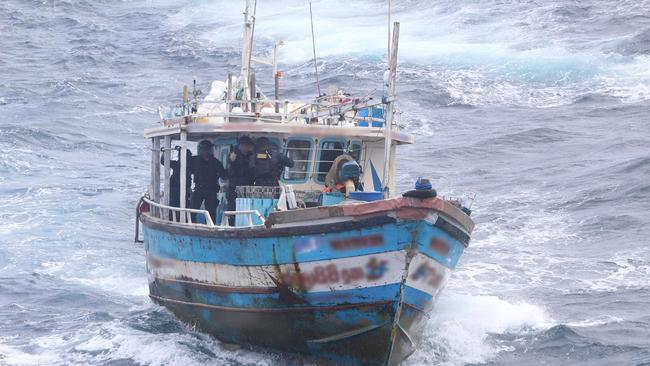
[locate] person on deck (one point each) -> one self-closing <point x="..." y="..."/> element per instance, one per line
<point x="241" y="171"/>
<point x="269" y="163"/>
<point x="206" y="170"/>
<point x="175" y="180"/>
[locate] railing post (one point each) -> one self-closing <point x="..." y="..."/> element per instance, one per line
<point x="183" y="172"/>
<point x="228" y="97"/>
<point x="253" y="91"/>
<point x="155" y="170"/>
<point x="167" y="173"/>
<point x="286" y="110"/>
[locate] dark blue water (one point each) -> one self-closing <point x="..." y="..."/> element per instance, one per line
<point x="540" y="108"/>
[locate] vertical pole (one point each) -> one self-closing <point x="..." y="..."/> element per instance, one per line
<point x="167" y="173"/>
<point x="276" y="77"/>
<point x="253" y="89"/>
<point x="388" y="117"/>
<point x="153" y="168"/>
<point x="389" y="11"/>
<point x="156" y="171"/>
<point x="277" y="93"/>
<point x="313" y="46"/>
<point x="183" y="172"/>
<point x="228" y="97"/>
<point x="247" y="49"/>
<point x="186" y="100"/>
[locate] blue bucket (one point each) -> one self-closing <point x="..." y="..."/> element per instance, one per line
<point x="367" y="196"/>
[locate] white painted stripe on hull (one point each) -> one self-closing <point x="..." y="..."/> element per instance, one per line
<point x="317" y="276"/>
<point x="427" y="275"/>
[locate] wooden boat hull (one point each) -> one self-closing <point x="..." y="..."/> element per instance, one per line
<point x="350" y="287"/>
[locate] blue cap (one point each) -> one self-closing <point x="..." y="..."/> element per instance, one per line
<point x="423" y="184"/>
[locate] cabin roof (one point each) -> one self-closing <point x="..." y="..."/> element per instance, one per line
<point x="197" y="131"/>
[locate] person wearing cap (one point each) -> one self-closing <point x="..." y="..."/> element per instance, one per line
<point x="241" y="171"/>
<point x="269" y="163"/>
<point x="206" y="170"/>
<point x="175" y="180"/>
<point x="423" y="189"/>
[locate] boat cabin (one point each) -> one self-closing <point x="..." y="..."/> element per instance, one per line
<point x="312" y="146"/>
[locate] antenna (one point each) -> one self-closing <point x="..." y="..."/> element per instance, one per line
<point x="313" y="46"/>
<point x="389" y="30"/>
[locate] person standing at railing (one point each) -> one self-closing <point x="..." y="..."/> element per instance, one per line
<point x="269" y="163"/>
<point x="206" y="170"/>
<point x="241" y="171"/>
<point x="175" y="180"/>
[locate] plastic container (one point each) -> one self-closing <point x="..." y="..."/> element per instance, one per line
<point x="367" y="196"/>
<point x="263" y="205"/>
<point x="330" y="198"/>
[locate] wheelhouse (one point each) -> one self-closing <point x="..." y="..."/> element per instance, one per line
<point x="313" y="148"/>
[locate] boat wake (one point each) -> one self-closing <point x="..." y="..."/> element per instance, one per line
<point x="462" y="327"/>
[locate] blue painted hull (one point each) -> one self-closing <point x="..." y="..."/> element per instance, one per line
<point x="357" y="296"/>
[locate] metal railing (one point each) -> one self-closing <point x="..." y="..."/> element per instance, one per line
<point x="321" y="112"/>
<point x="174" y="214"/>
<point x="247" y="213"/>
<point x="168" y="213"/>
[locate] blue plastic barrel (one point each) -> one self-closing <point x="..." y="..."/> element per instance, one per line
<point x="367" y="196"/>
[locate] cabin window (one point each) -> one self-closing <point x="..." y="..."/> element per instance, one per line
<point x="329" y="150"/>
<point x="299" y="150"/>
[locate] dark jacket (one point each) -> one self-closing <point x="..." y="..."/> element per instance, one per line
<point x="241" y="172"/>
<point x="207" y="173"/>
<point x="268" y="168"/>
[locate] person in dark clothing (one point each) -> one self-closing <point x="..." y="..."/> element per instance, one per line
<point x="206" y="170"/>
<point x="240" y="171"/>
<point x="269" y="163"/>
<point x="175" y="180"/>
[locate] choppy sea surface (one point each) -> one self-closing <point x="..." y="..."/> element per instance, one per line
<point x="540" y="108"/>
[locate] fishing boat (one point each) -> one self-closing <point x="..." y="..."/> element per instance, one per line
<point x="349" y="276"/>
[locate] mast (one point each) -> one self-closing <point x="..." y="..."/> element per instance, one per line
<point x="313" y="47"/>
<point x="276" y="76"/>
<point x="390" y="101"/>
<point x="247" y="49"/>
<point x="389" y="11"/>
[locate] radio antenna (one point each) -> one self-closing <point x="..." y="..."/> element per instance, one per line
<point x="389" y="37"/>
<point x="313" y="46"/>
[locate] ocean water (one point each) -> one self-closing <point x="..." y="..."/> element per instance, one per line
<point x="539" y="108"/>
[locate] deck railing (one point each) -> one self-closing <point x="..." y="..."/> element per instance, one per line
<point x="247" y="213"/>
<point x="176" y="214"/>
<point x="320" y="112"/>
